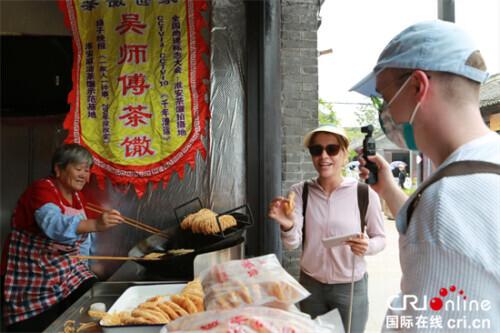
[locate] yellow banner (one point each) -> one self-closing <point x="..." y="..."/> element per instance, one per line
<point x="138" y="101"/>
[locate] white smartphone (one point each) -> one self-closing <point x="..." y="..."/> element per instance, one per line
<point x="337" y="240"/>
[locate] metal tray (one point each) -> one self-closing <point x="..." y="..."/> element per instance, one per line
<point x="134" y="296"/>
<point x="101" y="292"/>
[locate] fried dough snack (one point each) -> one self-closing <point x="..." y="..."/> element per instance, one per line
<point x="179" y="252"/>
<point x="158" y="310"/>
<point x="172" y="252"/>
<point x="188" y="220"/>
<point x="96" y="314"/>
<point x="289" y="204"/>
<point x="69" y="326"/>
<point x="86" y="326"/>
<point x="255" y="281"/>
<point x="205" y="222"/>
<point x="240" y="294"/>
<point x="154" y="255"/>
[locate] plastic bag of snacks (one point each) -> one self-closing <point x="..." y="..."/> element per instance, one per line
<point x="256" y="281"/>
<point x="247" y="320"/>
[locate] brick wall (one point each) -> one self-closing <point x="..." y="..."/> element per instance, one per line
<point x="299" y="96"/>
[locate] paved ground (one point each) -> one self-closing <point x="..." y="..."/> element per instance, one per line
<point x="384" y="276"/>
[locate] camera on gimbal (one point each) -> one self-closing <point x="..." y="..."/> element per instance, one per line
<point x="369" y="149"/>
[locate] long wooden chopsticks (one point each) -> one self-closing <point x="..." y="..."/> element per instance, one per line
<point x="112" y="258"/>
<point x="129" y="221"/>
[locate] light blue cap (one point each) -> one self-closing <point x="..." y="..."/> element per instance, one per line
<point x="431" y="45"/>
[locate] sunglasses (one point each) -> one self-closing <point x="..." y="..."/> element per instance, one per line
<point x="331" y="150"/>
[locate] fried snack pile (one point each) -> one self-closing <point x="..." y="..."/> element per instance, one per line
<point x="158" y="310"/>
<point x="205" y="222"/>
<point x="289" y="204"/>
<point x="255" y="281"/>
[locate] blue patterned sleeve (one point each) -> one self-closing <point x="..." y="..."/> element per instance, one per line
<point x="86" y="247"/>
<point x="56" y="226"/>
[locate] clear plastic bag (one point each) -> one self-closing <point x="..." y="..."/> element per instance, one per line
<point x="246" y="320"/>
<point x="256" y="281"/>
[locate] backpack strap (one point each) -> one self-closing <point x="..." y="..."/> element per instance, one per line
<point x="459" y="168"/>
<point x="305" y="196"/>
<point x="363" y="201"/>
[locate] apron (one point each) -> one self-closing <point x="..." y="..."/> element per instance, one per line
<point x="40" y="272"/>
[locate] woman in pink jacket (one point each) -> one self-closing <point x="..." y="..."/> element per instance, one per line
<point x="332" y="210"/>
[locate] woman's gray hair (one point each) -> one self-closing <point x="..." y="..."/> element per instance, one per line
<point x="70" y="153"/>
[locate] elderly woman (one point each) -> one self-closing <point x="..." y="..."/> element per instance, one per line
<point x="49" y="226"/>
<point x="332" y="210"/>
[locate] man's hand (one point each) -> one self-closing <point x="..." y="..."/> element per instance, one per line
<point x="386" y="187"/>
<point x="385" y="179"/>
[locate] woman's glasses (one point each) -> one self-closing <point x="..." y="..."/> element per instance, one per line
<point x="331" y="150"/>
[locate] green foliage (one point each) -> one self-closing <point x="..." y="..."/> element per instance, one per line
<point x="377" y="102"/>
<point x="354" y="134"/>
<point x="368" y="114"/>
<point x="326" y="114"/>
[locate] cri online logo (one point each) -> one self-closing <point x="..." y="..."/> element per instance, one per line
<point x="449" y="299"/>
<point x="436" y="303"/>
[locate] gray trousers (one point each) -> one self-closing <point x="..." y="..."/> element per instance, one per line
<point x="326" y="297"/>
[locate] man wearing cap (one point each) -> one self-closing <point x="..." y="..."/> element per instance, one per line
<point x="429" y="76"/>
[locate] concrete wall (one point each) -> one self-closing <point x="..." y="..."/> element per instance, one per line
<point x="299" y="97"/>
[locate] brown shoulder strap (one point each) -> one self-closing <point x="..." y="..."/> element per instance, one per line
<point x="305" y="196"/>
<point x="363" y="201"/>
<point x="453" y="169"/>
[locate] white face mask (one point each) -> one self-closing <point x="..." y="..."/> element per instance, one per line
<point x="401" y="134"/>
